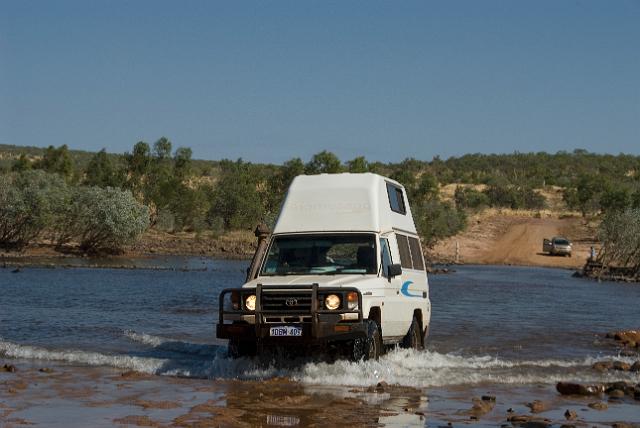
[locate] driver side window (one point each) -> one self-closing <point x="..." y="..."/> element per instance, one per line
<point x="385" y="256"/>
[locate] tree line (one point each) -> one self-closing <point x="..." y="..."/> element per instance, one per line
<point x="183" y="194"/>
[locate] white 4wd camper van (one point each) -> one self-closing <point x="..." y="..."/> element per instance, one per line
<point x="342" y="269"/>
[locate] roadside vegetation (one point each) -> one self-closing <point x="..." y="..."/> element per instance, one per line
<point x="97" y="202"/>
<point x="620" y="236"/>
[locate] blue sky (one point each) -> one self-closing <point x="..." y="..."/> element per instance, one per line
<point x="268" y="81"/>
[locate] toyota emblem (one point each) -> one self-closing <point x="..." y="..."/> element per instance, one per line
<point x="291" y="301"/>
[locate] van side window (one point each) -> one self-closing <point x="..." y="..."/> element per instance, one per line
<point x="405" y="253"/>
<point x="385" y="256"/>
<point x="416" y="253"/>
<point x="396" y="199"/>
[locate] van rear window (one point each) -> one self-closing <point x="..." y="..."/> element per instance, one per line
<point x="396" y="199"/>
<point x="405" y="252"/>
<point x="416" y="253"/>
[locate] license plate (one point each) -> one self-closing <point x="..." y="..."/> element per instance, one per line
<point x="285" y="330"/>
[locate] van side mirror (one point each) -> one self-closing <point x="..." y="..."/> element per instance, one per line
<point x="394" y="270"/>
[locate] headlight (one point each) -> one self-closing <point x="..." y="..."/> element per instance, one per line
<point x="352" y="300"/>
<point x="250" y="302"/>
<point x="332" y="302"/>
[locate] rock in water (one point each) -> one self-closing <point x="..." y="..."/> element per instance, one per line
<point x="598" y="405"/>
<point x="481" y="407"/>
<point x="537" y="406"/>
<point x="621" y="365"/>
<point x="602" y="366"/>
<point x="568" y="388"/>
<point x="616" y="393"/>
<point x="626" y="337"/>
<point x="570" y="415"/>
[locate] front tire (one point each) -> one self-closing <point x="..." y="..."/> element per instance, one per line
<point x="369" y="348"/>
<point x="241" y="348"/>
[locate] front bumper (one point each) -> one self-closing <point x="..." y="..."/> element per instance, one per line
<point x="561" y="250"/>
<point x="318" y="324"/>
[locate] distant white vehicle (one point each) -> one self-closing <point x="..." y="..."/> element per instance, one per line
<point x="343" y="270"/>
<point x="557" y="246"/>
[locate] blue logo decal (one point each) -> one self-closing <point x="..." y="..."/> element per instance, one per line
<point x="405" y="289"/>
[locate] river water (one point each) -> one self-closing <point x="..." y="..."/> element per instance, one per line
<point x="506" y="326"/>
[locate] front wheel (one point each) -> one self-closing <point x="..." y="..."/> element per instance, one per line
<point x="369" y="348"/>
<point x="240" y="348"/>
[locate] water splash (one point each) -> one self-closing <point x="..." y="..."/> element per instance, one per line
<point x="400" y="366"/>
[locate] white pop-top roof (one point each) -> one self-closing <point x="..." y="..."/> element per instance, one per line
<point x="341" y="203"/>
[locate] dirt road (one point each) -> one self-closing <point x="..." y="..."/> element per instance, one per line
<point x="513" y="240"/>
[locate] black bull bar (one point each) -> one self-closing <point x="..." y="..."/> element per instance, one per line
<point x="282" y="305"/>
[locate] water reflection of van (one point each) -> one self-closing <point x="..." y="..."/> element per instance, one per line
<point x="343" y="270"/>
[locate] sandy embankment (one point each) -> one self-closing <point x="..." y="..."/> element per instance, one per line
<point x="506" y="237"/>
<point x="239" y="244"/>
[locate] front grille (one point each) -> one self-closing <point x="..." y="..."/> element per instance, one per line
<point x="287" y="319"/>
<point x="286" y="301"/>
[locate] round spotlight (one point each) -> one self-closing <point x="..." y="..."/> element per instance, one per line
<point x="332" y="302"/>
<point x="250" y="302"/>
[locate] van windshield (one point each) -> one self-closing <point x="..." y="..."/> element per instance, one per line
<point x="321" y="255"/>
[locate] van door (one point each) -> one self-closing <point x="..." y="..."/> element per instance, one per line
<point x="414" y="288"/>
<point x="394" y="306"/>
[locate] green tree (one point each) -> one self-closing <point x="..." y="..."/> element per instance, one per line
<point x="161" y="185"/>
<point x="635" y="199"/>
<point x="570" y="198"/>
<point x="358" y="165"/>
<point x="323" y="162"/>
<point x="190" y="207"/>
<point x="278" y="184"/>
<point x="162" y="149"/>
<point x="58" y="161"/>
<point x="615" y="199"/>
<point x="21" y="164"/>
<point x="101" y="171"/>
<point x="436" y="220"/>
<point x="588" y="191"/>
<point x="427" y="187"/>
<point x="182" y="166"/>
<point x="138" y="162"/>
<point x="514" y="197"/>
<point x="620" y="235"/>
<point x="27" y="203"/>
<point x="466" y="197"/>
<point x="235" y="199"/>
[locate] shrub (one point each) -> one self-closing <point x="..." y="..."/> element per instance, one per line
<point x="28" y="202"/>
<point x="615" y="199"/>
<point x="108" y="219"/>
<point x="436" y="220"/>
<point x="620" y="236"/>
<point x="514" y="197"/>
<point x="236" y="199"/>
<point x="467" y="197"/>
